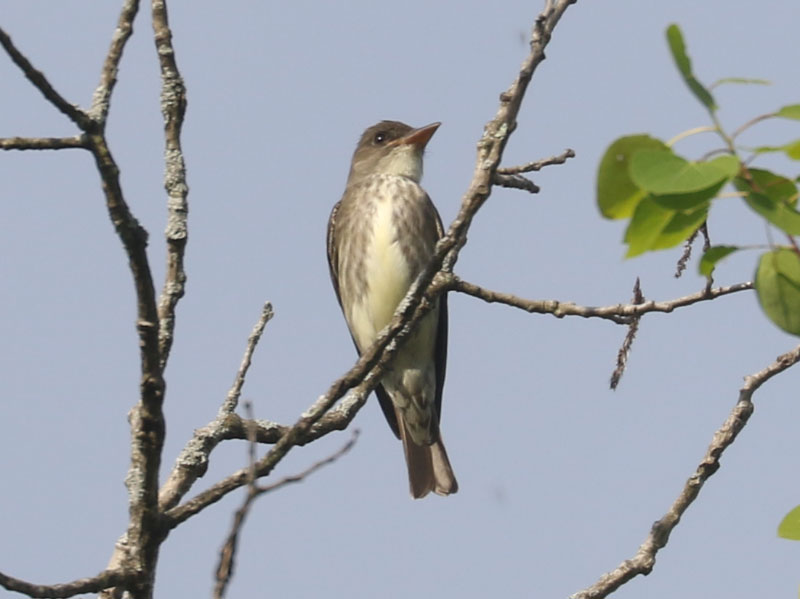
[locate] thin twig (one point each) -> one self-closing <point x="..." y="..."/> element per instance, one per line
<point x="620" y="313"/>
<point x="492" y="144"/>
<point x="252" y="341"/>
<point x="750" y="123"/>
<point x="104" y="580"/>
<point x="40" y="82"/>
<point x="645" y="558"/>
<point x="42" y="143"/>
<point x="516" y="182"/>
<point x="536" y="165"/>
<point x="690" y="132"/>
<point x="633" y="328"/>
<point x="193" y="459"/>
<point x="227" y="556"/>
<point x="101" y="99"/>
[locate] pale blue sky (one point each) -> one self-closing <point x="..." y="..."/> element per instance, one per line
<point x="560" y="478"/>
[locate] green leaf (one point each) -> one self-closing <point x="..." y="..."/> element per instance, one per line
<point x="789" y="528"/>
<point x="776" y="187"/>
<point x="714" y="254"/>
<point x="662" y="172"/>
<point x="744" y="80"/>
<point x="680" y="227"/>
<point x="654" y="228"/>
<point x="779" y="214"/>
<point x="617" y="195"/>
<point x="778" y="287"/>
<point x="792" y="149"/>
<point x="684" y="64"/>
<point x="687" y="201"/>
<point x="771" y="196"/>
<point x="792" y="111"/>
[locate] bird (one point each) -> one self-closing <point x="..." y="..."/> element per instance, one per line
<point x="381" y="235"/>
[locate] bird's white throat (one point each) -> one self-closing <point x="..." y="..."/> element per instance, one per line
<point x="404" y="161"/>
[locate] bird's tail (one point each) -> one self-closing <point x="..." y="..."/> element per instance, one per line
<point x="428" y="466"/>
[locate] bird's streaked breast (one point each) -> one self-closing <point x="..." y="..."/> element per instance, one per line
<point x="386" y="271"/>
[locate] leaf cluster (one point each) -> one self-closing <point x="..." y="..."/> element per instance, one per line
<point x="666" y="197"/>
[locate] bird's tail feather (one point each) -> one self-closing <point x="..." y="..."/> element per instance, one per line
<point x="428" y="466"/>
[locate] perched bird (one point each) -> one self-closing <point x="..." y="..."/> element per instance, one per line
<point x="380" y="237"/>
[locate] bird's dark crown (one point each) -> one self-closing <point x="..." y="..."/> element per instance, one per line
<point x="382" y="133"/>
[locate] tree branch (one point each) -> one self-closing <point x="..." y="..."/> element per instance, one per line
<point x="40" y="82"/>
<point x="337" y="419"/>
<point x="104" y="580"/>
<point x="173" y="109"/>
<point x="516" y="182"/>
<point x="146" y="418"/>
<point x="138" y="549"/>
<point x="192" y="462"/>
<point x="645" y="558"/>
<point x="42" y="143"/>
<point x="101" y="99"/>
<point x="228" y="552"/>
<point x="537" y="165"/>
<point x="620" y="313"/>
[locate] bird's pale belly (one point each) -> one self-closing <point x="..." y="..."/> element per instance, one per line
<point x="388" y="276"/>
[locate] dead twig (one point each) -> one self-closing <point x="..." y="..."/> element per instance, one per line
<point x="227" y="554"/>
<point x="645" y="558"/>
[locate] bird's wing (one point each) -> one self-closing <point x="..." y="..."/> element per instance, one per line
<point x="440" y="352"/>
<point x="333" y="252"/>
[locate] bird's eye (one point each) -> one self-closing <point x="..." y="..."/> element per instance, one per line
<point x="379" y="137"/>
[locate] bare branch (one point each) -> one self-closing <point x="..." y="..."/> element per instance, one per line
<point x="620" y="313"/>
<point x="228" y="552"/>
<point x="101" y="99"/>
<point x="227" y="555"/>
<point x="42" y="143"/>
<point x="173" y="109"/>
<point x="138" y="549"/>
<point x="193" y="460"/>
<point x="296" y="478"/>
<point x="104" y="580"/>
<point x="147" y="419"/>
<point x="645" y="558"/>
<point x="537" y="165"/>
<point x="252" y="341"/>
<point x="633" y="328"/>
<point x="40" y="82"/>
<point x="337" y="419"/>
<point x="492" y="144"/>
<point x="516" y="182"/>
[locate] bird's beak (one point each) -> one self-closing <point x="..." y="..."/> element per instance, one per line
<point x="418" y="138"/>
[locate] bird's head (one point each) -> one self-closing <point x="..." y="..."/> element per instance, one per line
<point x="391" y="148"/>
